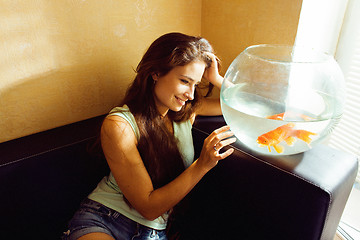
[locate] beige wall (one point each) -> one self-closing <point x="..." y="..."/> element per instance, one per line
<point x="233" y="25"/>
<point x="65" y="61"/>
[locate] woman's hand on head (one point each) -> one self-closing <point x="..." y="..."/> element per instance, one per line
<point x="211" y="74"/>
<point x="218" y="139"/>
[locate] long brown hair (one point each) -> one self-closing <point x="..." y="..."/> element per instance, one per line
<point x="157" y="145"/>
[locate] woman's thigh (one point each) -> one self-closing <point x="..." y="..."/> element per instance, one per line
<point x="95" y="221"/>
<point x="96" y="236"/>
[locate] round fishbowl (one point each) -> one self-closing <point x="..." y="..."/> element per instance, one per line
<point x="282" y="100"/>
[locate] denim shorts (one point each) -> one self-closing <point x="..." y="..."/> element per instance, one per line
<point x="95" y="217"/>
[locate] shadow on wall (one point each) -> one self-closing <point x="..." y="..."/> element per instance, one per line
<point x="59" y="97"/>
<point x="56" y="69"/>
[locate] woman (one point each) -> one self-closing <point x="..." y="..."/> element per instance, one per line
<point x="147" y="143"/>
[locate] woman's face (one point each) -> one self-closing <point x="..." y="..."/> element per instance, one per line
<point x="177" y="86"/>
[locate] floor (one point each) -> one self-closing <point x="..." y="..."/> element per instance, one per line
<point x="350" y="221"/>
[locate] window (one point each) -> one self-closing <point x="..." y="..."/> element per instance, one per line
<point x="345" y="136"/>
<point x="334" y="29"/>
<point x="348" y="56"/>
<point x="332" y="26"/>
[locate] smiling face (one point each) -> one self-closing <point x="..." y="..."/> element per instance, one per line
<point x="177" y="86"/>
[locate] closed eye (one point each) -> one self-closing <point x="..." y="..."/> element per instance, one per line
<point x="184" y="81"/>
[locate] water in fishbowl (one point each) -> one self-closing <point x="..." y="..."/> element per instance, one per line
<point x="277" y="128"/>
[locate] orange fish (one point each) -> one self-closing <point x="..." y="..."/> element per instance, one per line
<point x="279" y="116"/>
<point x="290" y="114"/>
<point x="285" y="133"/>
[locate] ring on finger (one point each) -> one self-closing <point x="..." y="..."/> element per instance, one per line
<point x="216" y="147"/>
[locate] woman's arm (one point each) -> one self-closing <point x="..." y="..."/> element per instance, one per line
<point x="212" y="73"/>
<point x="119" y="146"/>
<point x="211" y="106"/>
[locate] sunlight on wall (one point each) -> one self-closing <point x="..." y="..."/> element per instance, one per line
<point x="319" y="26"/>
<point x="234" y="25"/>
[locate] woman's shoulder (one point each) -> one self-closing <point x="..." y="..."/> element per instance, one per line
<point x="121" y="119"/>
<point x="120" y="110"/>
<point x="114" y="124"/>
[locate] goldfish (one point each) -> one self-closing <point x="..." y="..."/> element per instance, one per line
<point x="285" y="133"/>
<point x="289" y="114"/>
<point x="279" y="116"/>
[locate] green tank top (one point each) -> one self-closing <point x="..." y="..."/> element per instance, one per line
<point x="107" y="191"/>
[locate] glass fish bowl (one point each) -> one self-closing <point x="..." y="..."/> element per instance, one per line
<point x="282" y="100"/>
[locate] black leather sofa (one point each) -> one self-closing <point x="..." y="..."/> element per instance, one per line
<point x="44" y="177"/>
